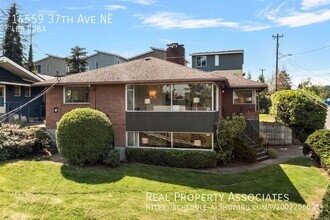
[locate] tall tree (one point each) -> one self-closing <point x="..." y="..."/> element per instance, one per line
<point x="77" y="62"/>
<point x="283" y="80"/>
<point x="30" y="64"/>
<point x="249" y="76"/>
<point x="261" y="78"/>
<point x="12" y="42"/>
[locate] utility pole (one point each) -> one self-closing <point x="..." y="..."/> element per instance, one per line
<point x="262" y="71"/>
<point x="277" y="36"/>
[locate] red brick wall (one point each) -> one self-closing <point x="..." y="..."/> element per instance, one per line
<point x="105" y="98"/>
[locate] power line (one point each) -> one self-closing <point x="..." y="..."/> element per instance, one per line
<point x="313" y="50"/>
<point x="306" y="69"/>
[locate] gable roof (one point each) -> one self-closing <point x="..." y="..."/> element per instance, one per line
<point x="107" y="53"/>
<point x="239" y="82"/>
<point x="147" y="52"/>
<point x="218" y="52"/>
<point x="49" y="56"/>
<point x="18" y="70"/>
<point x="146" y="70"/>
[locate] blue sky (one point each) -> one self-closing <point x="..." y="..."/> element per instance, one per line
<point x="208" y="25"/>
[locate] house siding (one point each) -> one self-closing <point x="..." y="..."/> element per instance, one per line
<point x="103" y="60"/>
<point x="55" y="64"/>
<point x="226" y="62"/>
<point x="156" y="53"/>
<point x="172" y="121"/>
<point x="7" y="76"/>
<point x="35" y="109"/>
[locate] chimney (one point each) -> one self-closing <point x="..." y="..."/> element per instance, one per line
<point x="176" y="53"/>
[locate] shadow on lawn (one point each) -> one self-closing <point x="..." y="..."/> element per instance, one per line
<point x="269" y="180"/>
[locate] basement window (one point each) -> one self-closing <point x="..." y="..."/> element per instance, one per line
<point x="76" y="95"/>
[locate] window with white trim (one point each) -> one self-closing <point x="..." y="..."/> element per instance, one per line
<point x="216" y="60"/>
<point x="76" y="95"/>
<point x="201" y="61"/>
<point x="17" y="91"/>
<point x="27" y="91"/>
<point x="172" y="140"/>
<point x="96" y="64"/>
<point x="244" y="96"/>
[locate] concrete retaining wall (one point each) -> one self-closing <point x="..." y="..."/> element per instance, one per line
<point x="275" y="133"/>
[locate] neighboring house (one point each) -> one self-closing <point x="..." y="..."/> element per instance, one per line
<point x="175" y="53"/>
<point x="52" y="66"/>
<point x="154" y="103"/>
<point x="102" y="59"/>
<point x="230" y="61"/>
<point x="16" y="90"/>
<point x="154" y="52"/>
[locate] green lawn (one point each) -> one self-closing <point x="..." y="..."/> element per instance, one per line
<point x="49" y="190"/>
<point x="266" y="118"/>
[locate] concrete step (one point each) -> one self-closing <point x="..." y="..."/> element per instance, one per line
<point x="261" y="156"/>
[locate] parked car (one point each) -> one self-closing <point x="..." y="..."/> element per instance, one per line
<point x="327" y="101"/>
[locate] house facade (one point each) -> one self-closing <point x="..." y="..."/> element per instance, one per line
<point x="154" y="103"/>
<point x="52" y="66"/>
<point x="16" y="90"/>
<point x="153" y="52"/>
<point x="230" y="62"/>
<point x="102" y="59"/>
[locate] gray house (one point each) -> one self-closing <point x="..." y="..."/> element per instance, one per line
<point x="154" y="52"/>
<point x="51" y="66"/>
<point x="230" y="61"/>
<point x="102" y="59"/>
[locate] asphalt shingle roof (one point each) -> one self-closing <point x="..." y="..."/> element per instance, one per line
<point x="150" y="70"/>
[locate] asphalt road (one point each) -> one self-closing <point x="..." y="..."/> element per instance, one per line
<point x="327" y="123"/>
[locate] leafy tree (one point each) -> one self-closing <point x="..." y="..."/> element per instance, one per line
<point x="283" y="80"/>
<point x="249" y="76"/>
<point x="316" y="90"/>
<point x="78" y="60"/>
<point x="299" y="111"/>
<point x="261" y="78"/>
<point x="12" y="42"/>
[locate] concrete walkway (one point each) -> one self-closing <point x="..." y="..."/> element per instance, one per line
<point x="285" y="153"/>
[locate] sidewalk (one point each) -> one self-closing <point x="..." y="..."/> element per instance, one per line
<point x="285" y="153"/>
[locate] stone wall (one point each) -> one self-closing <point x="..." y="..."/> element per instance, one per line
<point x="275" y="133"/>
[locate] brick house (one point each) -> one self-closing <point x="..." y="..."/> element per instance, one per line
<point x="155" y="103"/>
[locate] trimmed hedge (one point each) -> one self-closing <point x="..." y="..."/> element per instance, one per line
<point x="325" y="210"/>
<point x="299" y="112"/>
<point x="195" y="159"/>
<point x="319" y="144"/>
<point x="17" y="142"/>
<point x="243" y="152"/>
<point x="83" y="136"/>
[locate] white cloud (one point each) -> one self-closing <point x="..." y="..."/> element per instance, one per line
<point x="114" y="7"/>
<point x="298" y="19"/>
<point x="140" y="2"/>
<point x="173" y="20"/>
<point x="46" y="12"/>
<point x="290" y="17"/>
<point x="80" y="7"/>
<point x="309" y="4"/>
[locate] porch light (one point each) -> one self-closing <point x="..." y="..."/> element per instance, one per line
<point x="197" y="143"/>
<point x="152" y="94"/>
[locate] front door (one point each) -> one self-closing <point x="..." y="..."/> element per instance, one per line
<point x="2" y="99"/>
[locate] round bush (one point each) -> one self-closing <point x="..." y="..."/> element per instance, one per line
<point x="83" y="135"/>
<point x="319" y="144"/>
<point x="298" y="111"/>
